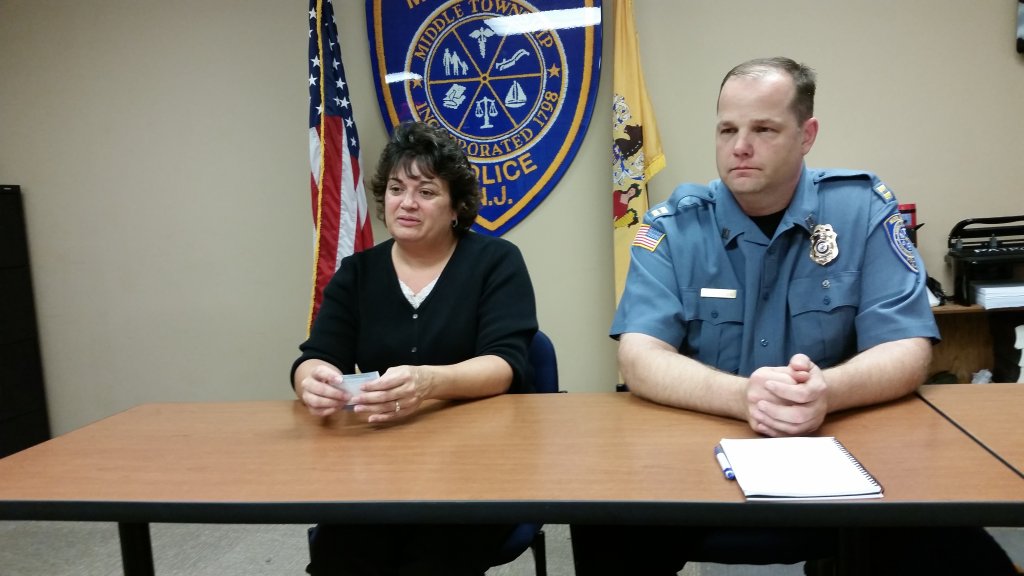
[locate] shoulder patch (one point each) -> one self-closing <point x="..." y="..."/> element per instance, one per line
<point x="648" y="238"/>
<point x="896" y="232"/>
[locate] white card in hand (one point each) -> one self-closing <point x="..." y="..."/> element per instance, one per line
<point x="351" y="382"/>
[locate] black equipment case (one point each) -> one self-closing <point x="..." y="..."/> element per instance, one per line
<point x="985" y="249"/>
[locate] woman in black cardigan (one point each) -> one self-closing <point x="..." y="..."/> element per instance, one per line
<point x="440" y="313"/>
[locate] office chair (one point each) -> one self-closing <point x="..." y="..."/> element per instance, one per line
<point x="531" y="535"/>
<point x="541" y="356"/>
<point x="544" y="363"/>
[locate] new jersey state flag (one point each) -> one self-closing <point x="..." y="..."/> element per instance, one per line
<point x="636" y="149"/>
<point x="340" y="213"/>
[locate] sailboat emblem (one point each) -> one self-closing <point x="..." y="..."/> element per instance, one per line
<point x="515" y="98"/>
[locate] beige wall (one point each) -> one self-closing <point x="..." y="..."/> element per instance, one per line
<point x="161" y="147"/>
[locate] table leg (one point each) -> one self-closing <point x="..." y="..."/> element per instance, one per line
<point x="136" y="549"/>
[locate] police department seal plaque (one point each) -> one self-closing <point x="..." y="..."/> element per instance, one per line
<point x="513" y="81"/>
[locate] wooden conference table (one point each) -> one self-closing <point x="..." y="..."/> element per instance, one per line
<point x="992" y="414"/>
<point x="555" y="458"/>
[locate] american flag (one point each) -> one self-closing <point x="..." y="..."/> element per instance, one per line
<point x="647" y="237"/>
<point x="340" y="213"/>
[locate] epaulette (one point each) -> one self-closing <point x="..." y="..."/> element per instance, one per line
<point x="839" y="174"/>
<point x="683" y="196"/>
<point x="880" y="189"/>
<point x="687" y="195"/>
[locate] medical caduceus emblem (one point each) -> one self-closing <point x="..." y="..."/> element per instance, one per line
<point x="498" y="75"/>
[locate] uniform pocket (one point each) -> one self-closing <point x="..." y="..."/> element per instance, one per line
<point x="721" y="331"/>
<point x="823" y="309"/>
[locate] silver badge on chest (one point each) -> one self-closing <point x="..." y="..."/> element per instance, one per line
<point x="823" y="244"/>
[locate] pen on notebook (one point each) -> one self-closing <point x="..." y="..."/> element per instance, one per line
<point x="723" y="462"/>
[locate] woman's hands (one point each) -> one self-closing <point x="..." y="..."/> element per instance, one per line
<point x="318" y="385"/>
<point x="396" y="394"/>
<point x="402" y="389"/>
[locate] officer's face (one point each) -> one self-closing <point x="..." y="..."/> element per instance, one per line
<point x="759" y="144"/>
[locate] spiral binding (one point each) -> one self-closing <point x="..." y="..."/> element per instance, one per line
<point x="856" y="463"/>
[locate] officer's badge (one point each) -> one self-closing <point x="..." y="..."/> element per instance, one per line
<point x="823" y="244"/>
<point x="513" y="81"/>
<point x="896" y="231"/>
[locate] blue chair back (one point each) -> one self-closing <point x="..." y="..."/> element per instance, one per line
<point x="545" y="365"/>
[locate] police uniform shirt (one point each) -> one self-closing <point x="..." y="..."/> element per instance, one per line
<point x="706" y="280"/>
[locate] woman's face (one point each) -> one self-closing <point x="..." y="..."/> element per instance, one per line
<point x="418" y="208"/>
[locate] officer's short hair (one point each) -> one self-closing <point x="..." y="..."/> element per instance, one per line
<point x="803" y="77"/>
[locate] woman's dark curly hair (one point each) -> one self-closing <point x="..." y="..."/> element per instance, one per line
<point x="437" y="155"/>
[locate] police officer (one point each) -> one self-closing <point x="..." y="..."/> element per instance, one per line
<point x="775" y="295"/>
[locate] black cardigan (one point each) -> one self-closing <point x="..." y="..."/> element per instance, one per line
<point x="482" y="303"/>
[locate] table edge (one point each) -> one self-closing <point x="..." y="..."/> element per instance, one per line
<point x="774" y="514"/>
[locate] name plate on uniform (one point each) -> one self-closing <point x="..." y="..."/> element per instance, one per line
<point x="717" y="293"/>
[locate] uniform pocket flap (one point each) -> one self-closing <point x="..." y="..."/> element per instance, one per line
<point x="824" y="293"/>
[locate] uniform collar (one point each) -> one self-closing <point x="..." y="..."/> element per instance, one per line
<point x="802" y="210"/>
<point x="732" y="221"/>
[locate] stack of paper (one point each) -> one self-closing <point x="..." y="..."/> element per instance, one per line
<point x="999" y="294"/>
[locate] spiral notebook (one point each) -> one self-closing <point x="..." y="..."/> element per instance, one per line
<point x="799" y="468"/>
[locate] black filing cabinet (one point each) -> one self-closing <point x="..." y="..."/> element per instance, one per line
<point x="23" y="419"/>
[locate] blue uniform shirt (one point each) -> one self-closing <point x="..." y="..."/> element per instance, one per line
<point x="705" y="279"/>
